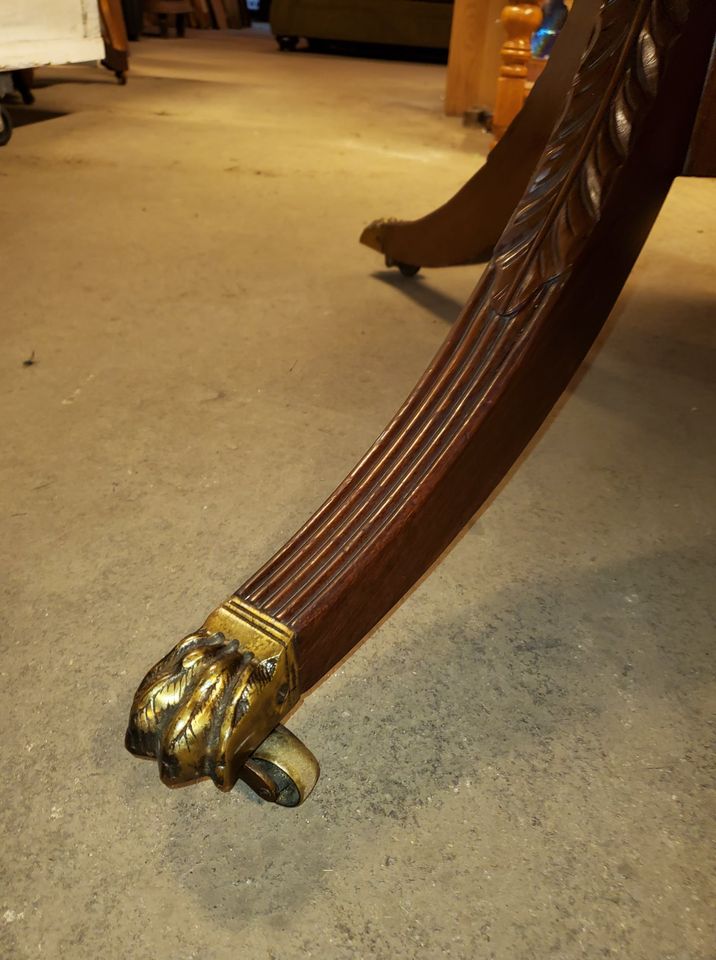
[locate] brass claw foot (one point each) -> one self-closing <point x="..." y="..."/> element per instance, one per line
<point x="212" y="708"/>
<point x="373" y="234"/>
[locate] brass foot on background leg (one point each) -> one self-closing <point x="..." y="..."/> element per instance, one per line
<point x="372" y="235"/>
<point x="282" y="770"/>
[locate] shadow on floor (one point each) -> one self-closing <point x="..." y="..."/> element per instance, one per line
<point x="102" y="77"/>
<point x="21" y="115"/>
<point x="440" y="304"/>
<point x="373" y="51"/>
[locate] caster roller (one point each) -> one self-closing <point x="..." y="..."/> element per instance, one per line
<point x="5" y="126"/>
<point x="407" y="269"/>
<point x="21" y="82"/>
<point x="287" y="43"/>
<point x="282" y="770"/>
<point x="120" y="75"/>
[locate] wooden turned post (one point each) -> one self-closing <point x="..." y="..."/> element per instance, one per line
<point x="520" y="20"/>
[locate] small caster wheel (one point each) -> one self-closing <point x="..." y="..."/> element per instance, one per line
<point x="287" y="43"/>
<point x="5" y="126"/>
<point x="282" y="770"/>
<point x="407" y="269"/>
<point x="21" y="83"/>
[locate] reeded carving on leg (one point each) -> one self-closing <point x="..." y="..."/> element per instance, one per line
<point x="206" y="706"/>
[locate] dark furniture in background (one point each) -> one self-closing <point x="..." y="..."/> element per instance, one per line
<point x="163" y="9"/>
<point x="409" y="23"/>
<point x="133" y="11"/>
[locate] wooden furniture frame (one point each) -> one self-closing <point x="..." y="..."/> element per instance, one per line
<point x="116" y="43"/>
<point x="163" y="9"/>
<point x="211" y="708"/>
<point x="425" y="23"/>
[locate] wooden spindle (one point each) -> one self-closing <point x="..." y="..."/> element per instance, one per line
<point x="520" y="20"/>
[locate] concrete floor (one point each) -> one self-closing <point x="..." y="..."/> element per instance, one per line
<point x="516" y="764"/>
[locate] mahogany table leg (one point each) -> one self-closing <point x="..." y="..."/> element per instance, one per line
<point x="556" y="272"/>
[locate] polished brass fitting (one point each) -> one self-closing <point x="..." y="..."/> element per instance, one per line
<point x="216" y="698"/>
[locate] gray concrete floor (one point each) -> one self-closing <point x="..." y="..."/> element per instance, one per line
<point x="516" y="764"/>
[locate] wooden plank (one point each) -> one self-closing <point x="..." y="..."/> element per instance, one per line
<point x="473" y="61"/>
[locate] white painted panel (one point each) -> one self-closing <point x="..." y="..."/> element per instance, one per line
<point x="37" y="32"/>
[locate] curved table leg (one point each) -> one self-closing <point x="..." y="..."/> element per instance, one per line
<point x="466" y="228"/>
<point x="205" y="709"/>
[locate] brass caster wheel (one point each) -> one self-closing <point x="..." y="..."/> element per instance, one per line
<point x="282" y="770"/>
<point x="407" y="269"/>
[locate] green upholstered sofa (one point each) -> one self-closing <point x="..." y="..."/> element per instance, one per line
<point x="412" y="23"/>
